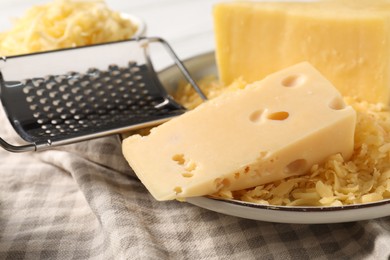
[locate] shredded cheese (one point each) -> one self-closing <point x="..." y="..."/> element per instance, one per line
<point x="364" y="178"/>
<point x="63" y="24"/>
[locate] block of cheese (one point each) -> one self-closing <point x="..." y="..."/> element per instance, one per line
<point x="272" y="129"/>
<point x="348" y="41"/>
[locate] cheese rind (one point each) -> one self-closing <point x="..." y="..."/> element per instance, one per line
<point x="347" y="41"/>
<point x="270" y="130"/>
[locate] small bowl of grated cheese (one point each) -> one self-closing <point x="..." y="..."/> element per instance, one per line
<point x="68" y="23"/>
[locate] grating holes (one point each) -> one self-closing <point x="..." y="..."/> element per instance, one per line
<point x="115" y="72"/>
<point x="279" y="116"/>
<point x="43" y="101"/>
<point x="27" y="89"/>
<point x="97" y="85"/>
<point x="84" y="83"/>
<point x="69" y="121"/>
<point x="75" y="90"/>
<point x="78" y="98"/>
<point x="87" y="111"/>
<point x="91" y="99"/>
<point x="87" y="91"/>
<point x="53" y="94"/>
<point x="36" y="114"/>
<point x="137" y="77"/>
<point x="63" y="88"/>
<point x="50" y="85"/>
<point x="134" y="70"/>
<point x="59" y="110"/>
<point x="60" y="78"/>
<point x="30" y="99"/>
<point x="65" y="96"/>
<point x="129" y="83"/>
<point x="40" y="92"/>
<point x="42" y="121"/>
<point x="35" y="82"/>
<point x="46" y="108"/>
<point x="44" y="127"/>
<point x="69" y="104"/>
<point x="72" y="82"/>
<point x="56" y="102"/>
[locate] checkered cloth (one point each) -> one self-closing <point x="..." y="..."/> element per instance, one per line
<point x="83" y="202"/>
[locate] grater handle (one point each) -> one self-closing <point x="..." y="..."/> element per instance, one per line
<point x="17" y="149"/>
<point x="178" y="62"/>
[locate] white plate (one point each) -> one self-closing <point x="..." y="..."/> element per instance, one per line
<point x="204" y="65"/>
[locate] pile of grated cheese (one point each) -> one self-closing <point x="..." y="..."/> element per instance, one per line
<point x="364" y="178"/>
<point x="64" y="24"/>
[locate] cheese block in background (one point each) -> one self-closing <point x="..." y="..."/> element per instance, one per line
<point x="348" y="41"/>
<point x="272" y="129"/>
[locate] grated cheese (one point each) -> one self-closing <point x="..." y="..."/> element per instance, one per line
<point x="63" y="24"/>
<point x="364" y="178"/>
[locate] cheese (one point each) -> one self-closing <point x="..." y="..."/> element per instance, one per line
<point x="272" y="129"/>
<point x="348" y="41"/>
<point x="63" y="24"/>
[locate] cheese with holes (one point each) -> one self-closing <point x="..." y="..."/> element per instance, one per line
<point x="272" y="129"/>
<point x="348" y="41"/>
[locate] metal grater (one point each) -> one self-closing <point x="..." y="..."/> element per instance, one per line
<point x="66" y="96"/>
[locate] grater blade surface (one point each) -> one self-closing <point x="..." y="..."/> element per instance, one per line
<point x="102" y="90"/>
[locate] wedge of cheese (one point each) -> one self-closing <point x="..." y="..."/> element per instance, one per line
<point x="270" y="130"/>
<point x="346" y="40"/>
